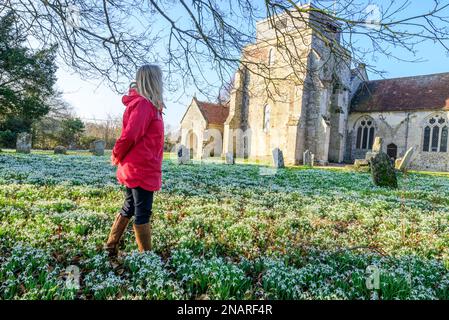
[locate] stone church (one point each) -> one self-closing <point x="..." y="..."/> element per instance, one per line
<point x="322" y="104"/>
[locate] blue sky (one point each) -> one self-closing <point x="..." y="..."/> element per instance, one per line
<point x="94" y="99"/>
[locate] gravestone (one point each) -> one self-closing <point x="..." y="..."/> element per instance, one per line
<point x="60" y="150"/>
<point x="229" y="158"/>
<point x="308" y="158"/>
<point x="369" y="155"/>
<point x="406" y="159"/>
<point x="397" y="163"/>
<point x="377" y="145"/>
<point x="98" y="147"/>
<point x="183" y="155"/>
<point x="382" y="171"/>
<point x="278" y="158"/>
<point x="361" y="163"/>
<point x="23" y="143"/>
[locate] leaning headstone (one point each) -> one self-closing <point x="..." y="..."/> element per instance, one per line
<point x="60" y="150"/>
<point x="382" y="171"/>
<point x="23" y="144"/>
<point x="98" y="147"/>
<point x="183" y="155"/>
<point x="308" y="158"/>
<point x="278" y="158"/>
<point x="377" y="145"/>
<point x="397" y="163"/>
<point x="230" y="158"/>
<point x="406" y="159"/>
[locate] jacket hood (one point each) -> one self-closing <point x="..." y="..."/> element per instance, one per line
<point x="131" y="98"/>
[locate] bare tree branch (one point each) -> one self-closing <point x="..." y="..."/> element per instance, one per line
<point x="203" y="42"/>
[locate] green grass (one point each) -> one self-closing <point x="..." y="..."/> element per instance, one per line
<point x="222" y="231"/>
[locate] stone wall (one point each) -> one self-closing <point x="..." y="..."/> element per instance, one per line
<point x="235" y="130"/>
<point x="326" y="101"/>
<point x="193" y="126"/>
<point x="213" y="141"/>
<point x="430" y="161"/>
<point x="309" y="107"/>
<point x="247" y="107"/>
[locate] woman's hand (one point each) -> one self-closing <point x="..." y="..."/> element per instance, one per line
<point x="114" y="160"/>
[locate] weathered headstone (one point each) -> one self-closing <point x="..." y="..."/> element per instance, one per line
<point x="406" y="159"/>
<point x="358" y="163"/>
<point x="278" y="158"/>
<point x="377" y="145"/>
<point x="183" y="155"/>
<point x="382" y="171"/>
<point x="229" y="158"/>
<point x="369" y="155"/>
<point x="308" y="158"/>
<point x="23" y="143"/>
<point x="98" y="147"/>
<point x="60" y="150"/>
<point x="397" y="163"/>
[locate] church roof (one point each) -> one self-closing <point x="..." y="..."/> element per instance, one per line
<point x="214" y="113"/>
<point x="428" y="92"/>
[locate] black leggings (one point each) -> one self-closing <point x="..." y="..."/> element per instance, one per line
<point x="138" y="203"/>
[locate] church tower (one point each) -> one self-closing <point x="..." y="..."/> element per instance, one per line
<point x="292" y="90"/>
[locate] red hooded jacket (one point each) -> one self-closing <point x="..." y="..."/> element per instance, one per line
<point x="139" y="150"/>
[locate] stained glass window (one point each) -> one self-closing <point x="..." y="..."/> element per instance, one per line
<point x="436" y="135"/>
<point x="426" y="139"/>
<point x="371" y="138"/>
<point x="359" y="138"/>
<point x="365" y="134"/>
<point x="443" y="144"/>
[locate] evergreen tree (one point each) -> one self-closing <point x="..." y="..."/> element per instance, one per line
<point x="71" y="132"/>
<point x="27" y="78"/>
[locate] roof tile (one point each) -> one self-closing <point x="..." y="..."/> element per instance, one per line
<point x="213" y="112"/>
<point x="429" y="92"/>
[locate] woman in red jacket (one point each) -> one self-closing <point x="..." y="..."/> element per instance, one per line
<point x="138" y="154"/>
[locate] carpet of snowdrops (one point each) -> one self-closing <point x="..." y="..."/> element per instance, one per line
<point x="222" y="232"/>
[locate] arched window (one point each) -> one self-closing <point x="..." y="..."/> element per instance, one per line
<point x="271" y="57"/>
<point x="266" y="118"/>
<point x="365" y="134"/>
<point x="435" y="134"/>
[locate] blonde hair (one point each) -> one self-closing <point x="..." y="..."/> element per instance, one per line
<point x="149" y="84"/>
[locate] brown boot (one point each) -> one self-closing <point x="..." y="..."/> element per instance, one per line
<point x="117" y="230"/>
<point x="143" y="236"/>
